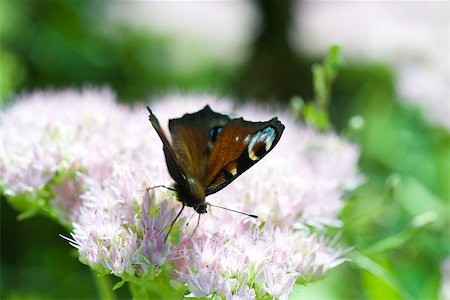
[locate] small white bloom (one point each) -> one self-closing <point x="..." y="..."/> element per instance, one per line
<point x="204" y="282"/>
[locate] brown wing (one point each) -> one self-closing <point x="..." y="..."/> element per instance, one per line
<point x="171" y="159"/>
<point x="240" y="145"/>
<point x="193" y="138"/>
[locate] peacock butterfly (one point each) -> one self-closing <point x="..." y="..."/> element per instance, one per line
<point x="209" y="150"/>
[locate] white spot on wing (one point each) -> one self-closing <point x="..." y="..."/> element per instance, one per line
<point x="270" y="137"/>
<point x="266" y="136"/>
<point x="247" y="139"/>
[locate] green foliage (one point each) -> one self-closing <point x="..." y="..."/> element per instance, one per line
<point x="315" y="113"/>
<point x="56" y="44"/>
<point x="37" y="263"/>
<point x="12" y="74"/>
<point x="324" y="74"/>
<point x="378" y="276"/>
<point x="397" y="221"/>
<point x="159" y="288"/>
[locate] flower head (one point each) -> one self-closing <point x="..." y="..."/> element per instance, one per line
<point x="119" y="225"/>
<point x="62" y="140"/>
<point x="122" y="225"/>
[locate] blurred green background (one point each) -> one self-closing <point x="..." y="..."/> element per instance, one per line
<point x="399" y="251"/>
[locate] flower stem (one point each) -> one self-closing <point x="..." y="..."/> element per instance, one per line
<point x="104" y="288"/>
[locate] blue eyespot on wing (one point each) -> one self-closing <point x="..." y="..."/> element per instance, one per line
<point x="240" y="145"/>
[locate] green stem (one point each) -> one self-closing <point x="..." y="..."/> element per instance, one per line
<point x="104" y="287"/>
<point x="369" y="265"/>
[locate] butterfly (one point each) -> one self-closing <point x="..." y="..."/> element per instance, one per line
<point x="210" y="150"/>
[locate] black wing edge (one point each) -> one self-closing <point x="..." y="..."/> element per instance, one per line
<point x="171" y="159"/>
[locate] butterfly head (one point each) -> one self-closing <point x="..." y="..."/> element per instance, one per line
<point x="201" y="208"/>
<point x="192" y="194"/>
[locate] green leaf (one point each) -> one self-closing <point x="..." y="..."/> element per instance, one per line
<point x="395" y="241"/>
<point x="118" y="285"/>
<point x="297" y="104"/>
<point x="320" y="85"/>
<point x="315" y="113"/>
<point x="158" y="287"/>
<point x="378" y="271"/>
<point x="323" y="76"/>
<point x="333" y="61"/>
<point x="27" y="214"/>
<point x="316" y="116"/>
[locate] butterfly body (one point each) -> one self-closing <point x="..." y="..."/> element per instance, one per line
<point x="192" y="195"/>
<point x="209" y="150"/>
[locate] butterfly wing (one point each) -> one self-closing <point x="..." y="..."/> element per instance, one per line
<point x="240" y="145"/>
<point x="172" y="162"/>
<point x="193" y="138"/>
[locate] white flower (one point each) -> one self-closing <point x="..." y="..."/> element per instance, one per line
<point x="120" y="231"/>
<point x="204" y="282"/>
<point x="65" y="139"/>
<point x="242" y="292"/>
<point x="119" y="228"/>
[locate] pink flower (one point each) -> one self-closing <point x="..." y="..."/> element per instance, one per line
<point x="64" y="139"/>
<point x="156" y="220"/>
<point x="204" y="282"/>
<point x="241" y="291"/>
<point x="273" y="259"/>
<point x="109" y="156"/>
<point x="122" y="227"/>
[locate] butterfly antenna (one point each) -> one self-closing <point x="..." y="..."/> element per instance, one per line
<point x="236" y="211"/>
<point x="173" y="222"/>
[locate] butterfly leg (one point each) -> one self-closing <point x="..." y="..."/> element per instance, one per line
<point x="161" y="186"/>
<point x="196" y="226"/>
<point x="173" y="222"/>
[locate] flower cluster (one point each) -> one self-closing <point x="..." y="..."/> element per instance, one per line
<point x="110" y="156"/>
<point x="118" y="232"/>
<point x="254" y="262"/>
<point x="59" y="140"/>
